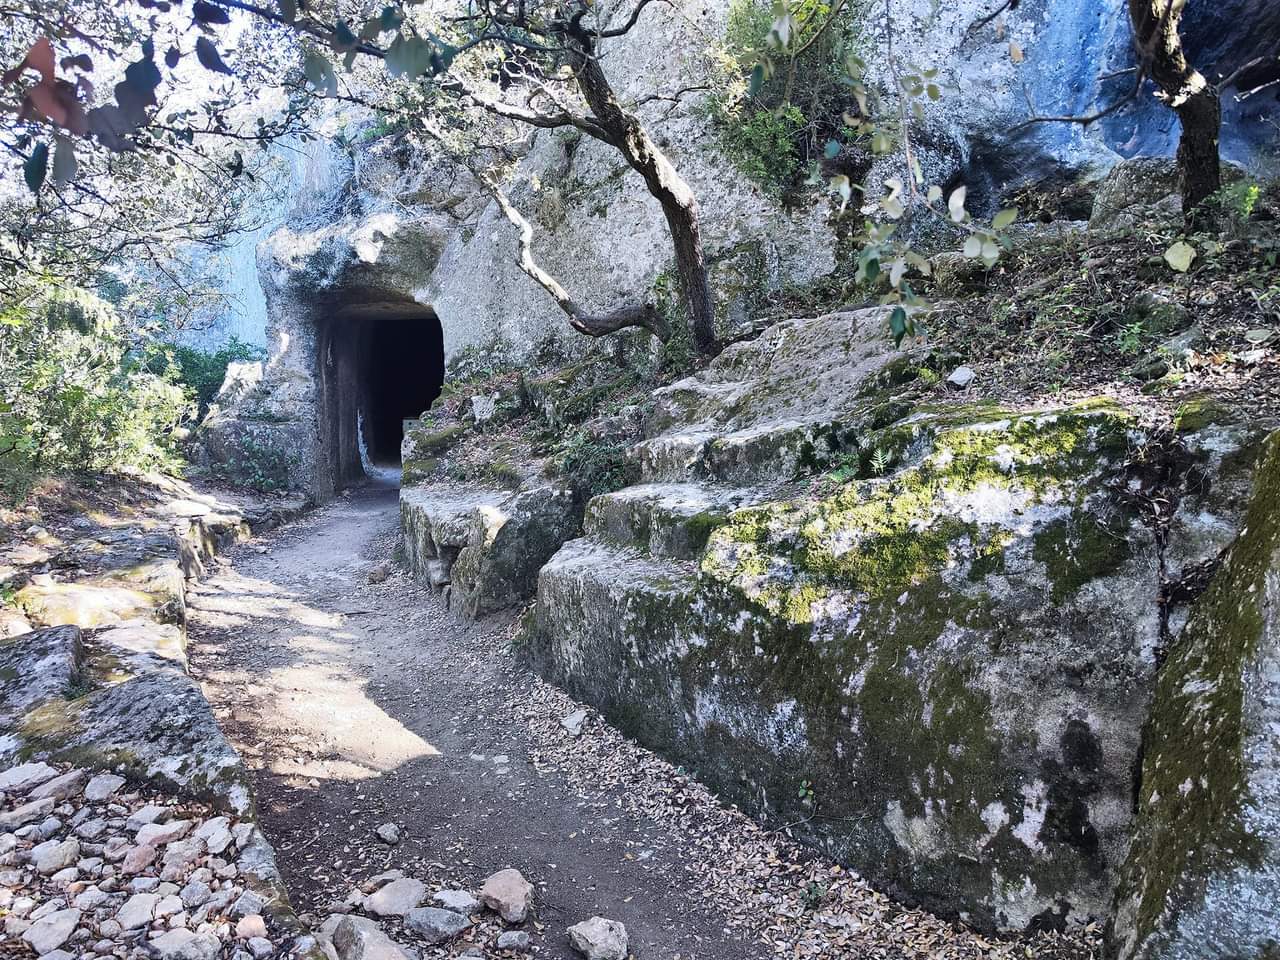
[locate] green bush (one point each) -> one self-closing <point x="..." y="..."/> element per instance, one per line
<point x="259" y="466"/>
<point x="765" y="145"/>
<point x="77" y="393"/>
<point x="204" y="371"/>
<point x="776" y="133"/>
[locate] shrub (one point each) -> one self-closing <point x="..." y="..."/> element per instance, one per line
<point x="204" y="371"/>
<point x="775" y="135"/>
<point x="594" y="465"/>
<point x="76" y="394"/>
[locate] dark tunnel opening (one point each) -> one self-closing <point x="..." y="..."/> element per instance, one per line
<point x="401" y="369"/>
<point x="380" y="364"/>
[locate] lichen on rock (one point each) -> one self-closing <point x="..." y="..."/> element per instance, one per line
<point x="1202" y="878"/>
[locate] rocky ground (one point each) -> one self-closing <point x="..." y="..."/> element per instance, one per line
<point x="93" y="867"/>
<point x="402" y="757"/>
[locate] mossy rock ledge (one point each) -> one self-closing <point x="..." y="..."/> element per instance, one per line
<point x="940" y="666"/>
<point x="1202" y="879"/>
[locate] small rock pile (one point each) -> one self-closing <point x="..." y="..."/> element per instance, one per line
<point x="91" y="868"/>
<point x="468" y="922"/>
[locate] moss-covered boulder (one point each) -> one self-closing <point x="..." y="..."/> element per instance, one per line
<point x="942" y="672"/>
<point x="1202" y="879"/>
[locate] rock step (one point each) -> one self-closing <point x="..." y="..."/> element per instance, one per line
<point x="484" y="547"/>
<point x="601" y="590"/>
<point x="774" y="451"/>
<point x="665" y="519"/>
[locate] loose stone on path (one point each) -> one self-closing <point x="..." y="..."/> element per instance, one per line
<point x="509" y="894"/>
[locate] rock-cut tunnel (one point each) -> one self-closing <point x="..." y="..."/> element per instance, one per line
<point x="380" y="363"/>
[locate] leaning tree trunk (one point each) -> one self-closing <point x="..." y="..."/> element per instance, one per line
<point x="1186" y="92"/>
<point x="679" y="205"/>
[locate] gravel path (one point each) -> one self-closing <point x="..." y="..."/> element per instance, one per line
<point x="359" y="703"/>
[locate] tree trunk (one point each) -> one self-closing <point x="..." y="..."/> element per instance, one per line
<point x="679" y="205"/>
<point x="1185" y="91"/>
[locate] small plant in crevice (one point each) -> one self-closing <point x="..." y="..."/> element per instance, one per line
<point x="594" y="465"/>
<point x="814" y="894"/>
<point x="806" y="794"/>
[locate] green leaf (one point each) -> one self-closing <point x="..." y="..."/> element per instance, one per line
<point x="898" y="325"/>
<point x="208" y="56"/>
<point x="408" y="57"/>
<point x="831" y="150"/>
<point x="319" y="73"/>
<point x="205" y="12"/>
<point x="343" y="38"/>
<point x="955" y="204"/>
<point x="1180" y="255"/>
<point x="390" y="18"/>
<point x="1004" y="219"/>
<point x="37" y="165"/>
<point x="64" y="161"/>
<point x="973" y="246"/>
<point x="756" y="81"/>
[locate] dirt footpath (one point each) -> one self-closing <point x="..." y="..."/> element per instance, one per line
<point x="361" y="703"/>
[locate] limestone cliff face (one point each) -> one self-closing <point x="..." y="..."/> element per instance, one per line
<point x="380" y="224"/>
<point x="940" y="660"/>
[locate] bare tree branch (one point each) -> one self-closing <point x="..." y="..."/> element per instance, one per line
<point x="643" y="315"/>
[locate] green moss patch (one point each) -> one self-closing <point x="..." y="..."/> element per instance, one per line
<point x="1194" y="788"/>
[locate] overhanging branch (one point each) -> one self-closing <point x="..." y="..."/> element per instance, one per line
<point x="643" y="315"/>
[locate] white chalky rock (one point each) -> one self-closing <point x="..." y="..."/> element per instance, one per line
<point x="358" y="938"/>
<point x="70" y="784"/>
<point x="25" y="776"/>
<point x="51" y="931"/>
<point x="515" y="940"/>
<point x="459" y="901"/>
<point x="103" y="786"/>
<point x="138" y="911"/>
<point x="247" y="928"/>
<point x="599" y="939"/>
<point x="961" y="377"/>
<point x="573" y="722"/>
<point x="151" y="813"/>
<point x="158" y="834"/>
<point x="186" y="945"/>
<point x="434" y="925"/>
<point x="216" y="834"/>
<point x="25" y="814"/>
<point x="52" y="856"/>
<point x="397" y="898"/>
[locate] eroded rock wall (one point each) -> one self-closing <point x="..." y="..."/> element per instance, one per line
<point x="1202" y="878"/>
<point x="939" y="665"/>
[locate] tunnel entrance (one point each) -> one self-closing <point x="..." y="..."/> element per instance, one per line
<point x="401" y="370"/>
<point x="380" y="365"/>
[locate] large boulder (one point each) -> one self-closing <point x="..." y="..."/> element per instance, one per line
<point x="484" y="546"/>
<point x="946" y="640"/>
<point x="1202" y="878"/>
<point x="156" y="726"/>
<point x="953" y="660"/>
